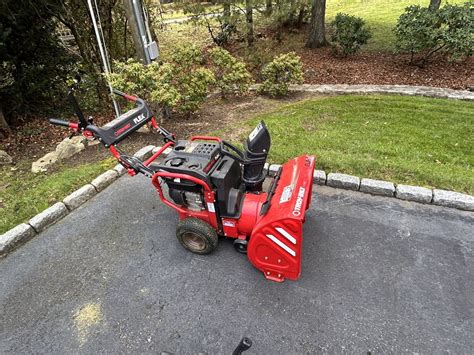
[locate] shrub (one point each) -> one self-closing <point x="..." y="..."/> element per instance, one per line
<point x="190" y="78"/>
<point x="282" y="71"/>
<point x="150" y="82"/>
<point x="348" y="34"/>
<point x="423" y="32"/>
<point x="231" y="74"/>
<point x="180" y="85"/>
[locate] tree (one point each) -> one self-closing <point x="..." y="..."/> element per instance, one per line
<point x="33" y="63"/>
<point x="249" y="21"/>
<point x="435" y="4"/>
<point x="317" y="35"/>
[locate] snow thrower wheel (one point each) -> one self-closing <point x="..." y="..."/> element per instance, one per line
<point x="196" y="236"/>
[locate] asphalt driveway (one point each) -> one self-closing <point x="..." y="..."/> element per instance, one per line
<point x="379" y="275"/>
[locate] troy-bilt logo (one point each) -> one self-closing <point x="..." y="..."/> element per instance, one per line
<point x="299" y="202"/>
<point x="138" y="119"/>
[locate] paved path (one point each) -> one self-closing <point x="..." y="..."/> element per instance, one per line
<point x="379" y="275"/>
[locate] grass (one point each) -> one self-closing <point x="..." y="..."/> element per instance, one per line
<point x="24" y="194"/>
<point x="380" y="15"/>
<point x="420" y="141"/>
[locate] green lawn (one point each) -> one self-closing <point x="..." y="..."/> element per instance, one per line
<point x="24" y="194"/>
<point x="420" y="141"/>
<point x="380" y="15"/>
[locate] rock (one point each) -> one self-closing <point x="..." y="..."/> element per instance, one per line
<point x="66" y="149"/>
<point x="319" y="177"/>
<point x="104" y="180"/>
<point x="14" y="237"/>
<point x="91" y="142"/>
<point x="377" y="187"/>
<point x="343" y="181"/>
<point x="42" y="164"/>
<point x="69" y="147"/>
<point x="453" y="199"/>
<point x="79" y="196"/>
<point x="414" y="193"/>
<point x="49" y="216"/>
<point x="120" y="169"/>
<point x="5" y="158"/>
<point x="144" y="129"/>
<point x="145" y="152"/>
<point x="273" y="169"/>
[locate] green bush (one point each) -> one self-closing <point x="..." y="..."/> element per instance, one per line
<point x="180" y="85"/>
<point x="282" y="71"/>
<point x="232" y="77"/>
<point x="150" y="82"/>
<point x="190" y="78"/>
<point x="424" y="32"/>
<point x="348" y="34"/>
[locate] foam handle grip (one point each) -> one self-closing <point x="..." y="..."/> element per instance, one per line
<point x="58" y="122"/>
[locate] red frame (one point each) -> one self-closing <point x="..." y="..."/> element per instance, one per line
<point x="209" y="196"/>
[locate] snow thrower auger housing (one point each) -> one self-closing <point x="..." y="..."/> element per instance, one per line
<point x="217" y="189"/>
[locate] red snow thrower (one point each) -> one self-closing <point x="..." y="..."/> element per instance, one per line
<point x="218" y="189"/>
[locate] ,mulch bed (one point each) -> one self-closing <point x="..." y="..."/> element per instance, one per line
<point x="35" y="137"/>
<point x="321" y="67"/>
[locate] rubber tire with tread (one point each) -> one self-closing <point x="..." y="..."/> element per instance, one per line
<point x="201" y="229"/>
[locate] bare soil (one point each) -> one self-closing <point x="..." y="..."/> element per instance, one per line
<point x="35" y="138"/>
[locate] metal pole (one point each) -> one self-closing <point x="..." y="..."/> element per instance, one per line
<point x="137" y="9"/>
<point x="102" y="54"/>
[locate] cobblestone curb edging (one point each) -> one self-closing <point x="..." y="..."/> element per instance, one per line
<point x="23" y="232"/>
<point x="386" y="188"/>
<point x="404" y="90"/>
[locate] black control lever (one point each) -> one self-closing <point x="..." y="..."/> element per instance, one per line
<point x="244" y="345"/>
<point x="136" y="164"/>
<point x="167" y="136"/>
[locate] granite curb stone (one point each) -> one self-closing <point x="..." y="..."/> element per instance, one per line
<point x="273" y="169"/>
<point x="15" y="236"/>
<point x="453" y="199"/>
<point x="79" y="196"/>
<point x="377" y="187"/>
<point x="414" y="193"/>
<point x="343" y="181"/>
<point x="49" y="216"/>
<point x="104" y="180"/>
<point x="319" y="177"/>
<point x="404" y="90"/>
<point x="145" y="152"/>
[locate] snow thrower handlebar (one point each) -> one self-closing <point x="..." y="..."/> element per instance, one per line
<point x="116" y="130"/>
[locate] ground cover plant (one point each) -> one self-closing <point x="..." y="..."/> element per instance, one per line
<point x="418" y="141"/>
<point x="24" y="195"/>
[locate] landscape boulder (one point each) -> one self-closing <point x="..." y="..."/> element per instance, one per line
<point x="64" y="150"/>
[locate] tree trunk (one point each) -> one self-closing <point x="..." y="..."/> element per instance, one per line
<point x="4" y="124"/>
<point x="317" y="36"/>
<point x="137" y="41"/>
<point x="226" y="11"/>
<point x="299" y="23"/>
<point x="268" y="7"/>
<point x="249" y="21"/>
<point x="291" y="15"/>
<point x="435" y="4"/>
